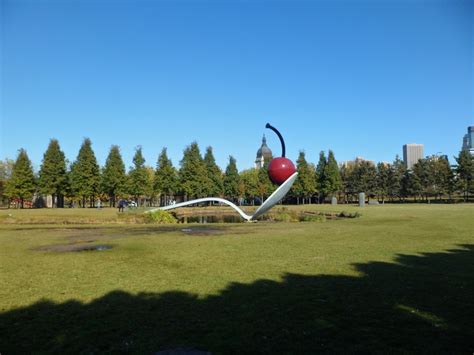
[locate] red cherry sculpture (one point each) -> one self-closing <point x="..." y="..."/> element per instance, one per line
<point x="280" y="168"/>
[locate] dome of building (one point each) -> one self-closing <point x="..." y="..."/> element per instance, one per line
<point x="264" y="151"/>
<point x="263" y="154"/>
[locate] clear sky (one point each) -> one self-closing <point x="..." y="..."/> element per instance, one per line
<point x="359" y="77"/>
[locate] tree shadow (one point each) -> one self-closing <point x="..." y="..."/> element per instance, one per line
<point x="421" y="303"/>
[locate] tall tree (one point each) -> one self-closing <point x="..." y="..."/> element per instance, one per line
<point x="265" y="187"/>
<point x="193" y="178"/>
<point x="305" y="185"/>
<point x="321" y="176"/>
<point x="85" y="174"/>
<point x="445" y="178"/>
<point x="166" y="178"/>
<point x="396" y="175"/>
<point x="383" y="180"/>
<point x="424" y="174"/>
<point x="138" y="176"/>
<point x="114" y="177"/>
<point x="231" y="180"/>
<point x="407" y="185"/>
<point x="421" y="178"/>
<point x="364" y="177"/>
<point x="333" y="181"/>
<point x="442" y="176"/>
<point x="6" y="167"/>
<point x="465" y="172"/>
<point x="249" y="179"/>
<point x="347" y="183"/>
<point x="150" y="194"/>
<point x="53" y="178"/>
<point x="21" y="184"/>
<point x="214" y="173"/>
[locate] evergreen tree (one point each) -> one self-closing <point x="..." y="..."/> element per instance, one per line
<point x="231" y="180"/>
<point x="346" y="177"/>
<point x="53" y="178"/>
<point x="465" y="173"/>
<point x="420" y="178"/>
<point x="383" y="176"/>
<point x="446" y="177"/>
<point x="321" y="176"/>
<point x="305" y="185"/>
<point x="424" y="175"/>
<point x="166" y="178"/>
<point x="149" y="187"/>
<point x="214" y="173"/>
<point x="333" y="182"/>
<point x="364" y="177"/>
<point x="85" y="174"/>
<point x="442" y="178"/>
<point x="193" y="179"/>
<point x="114" y="177"/>
<point x="21" y="184"/>
<point x="396" y="174"/>
<point x="138" y="176"/>
<point x="407" y="184"/>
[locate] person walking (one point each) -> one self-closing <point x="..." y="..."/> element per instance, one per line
<point x="121" y="205"/>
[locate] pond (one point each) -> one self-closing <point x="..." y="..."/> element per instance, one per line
<point x="210" y="219"/>
<point x="65" y="248"/>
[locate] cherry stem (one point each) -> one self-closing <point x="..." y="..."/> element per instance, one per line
<point x="268" y="125"/>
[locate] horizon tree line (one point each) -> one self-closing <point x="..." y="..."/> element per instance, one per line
<point x="85" y="182"/>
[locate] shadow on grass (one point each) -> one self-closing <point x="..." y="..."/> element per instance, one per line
<point x="419" y="304"/>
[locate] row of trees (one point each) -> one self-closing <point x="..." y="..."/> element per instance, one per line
<point x="85" y="182"/>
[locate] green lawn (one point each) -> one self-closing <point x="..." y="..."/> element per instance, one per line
<point x="398" y="279"/>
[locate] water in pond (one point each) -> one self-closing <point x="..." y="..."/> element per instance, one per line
<point x="100" y="247"/>
<point x="211" y="219"/>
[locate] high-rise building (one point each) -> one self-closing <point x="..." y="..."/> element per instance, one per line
<point x="412" y="153"/>
<point x="264" y="154"/>
<point x="468" y="140"/>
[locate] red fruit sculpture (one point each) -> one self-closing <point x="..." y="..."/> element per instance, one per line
<point x="280" y="168"/>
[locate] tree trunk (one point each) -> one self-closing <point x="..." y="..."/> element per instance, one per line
<point x="60" y="198"/>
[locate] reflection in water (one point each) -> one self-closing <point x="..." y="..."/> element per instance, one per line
<point x="210" y="219"/>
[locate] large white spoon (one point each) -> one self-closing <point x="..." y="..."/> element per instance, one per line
<point x="274" y="198"/>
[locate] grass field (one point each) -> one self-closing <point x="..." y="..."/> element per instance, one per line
<point x="400" y="278"/>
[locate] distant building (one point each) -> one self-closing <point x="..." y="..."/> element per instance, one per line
<point x="264" y="154"/>
<point x="412" y="153"/>
<point x="468" y="140"/>
<point x="357" y="160"/>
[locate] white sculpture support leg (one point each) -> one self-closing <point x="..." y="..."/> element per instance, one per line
<point x="276" y="196"/>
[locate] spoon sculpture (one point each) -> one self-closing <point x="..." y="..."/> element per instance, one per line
<point x="281" y="171"/>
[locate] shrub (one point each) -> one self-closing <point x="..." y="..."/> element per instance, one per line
<point x="285" y="217"/>
<point x="314" y="218"/>
<point x="349" y="215"/>
<point x="160" y="217"/>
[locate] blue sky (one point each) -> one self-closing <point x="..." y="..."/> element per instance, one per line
<point x="358" y="77"/>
